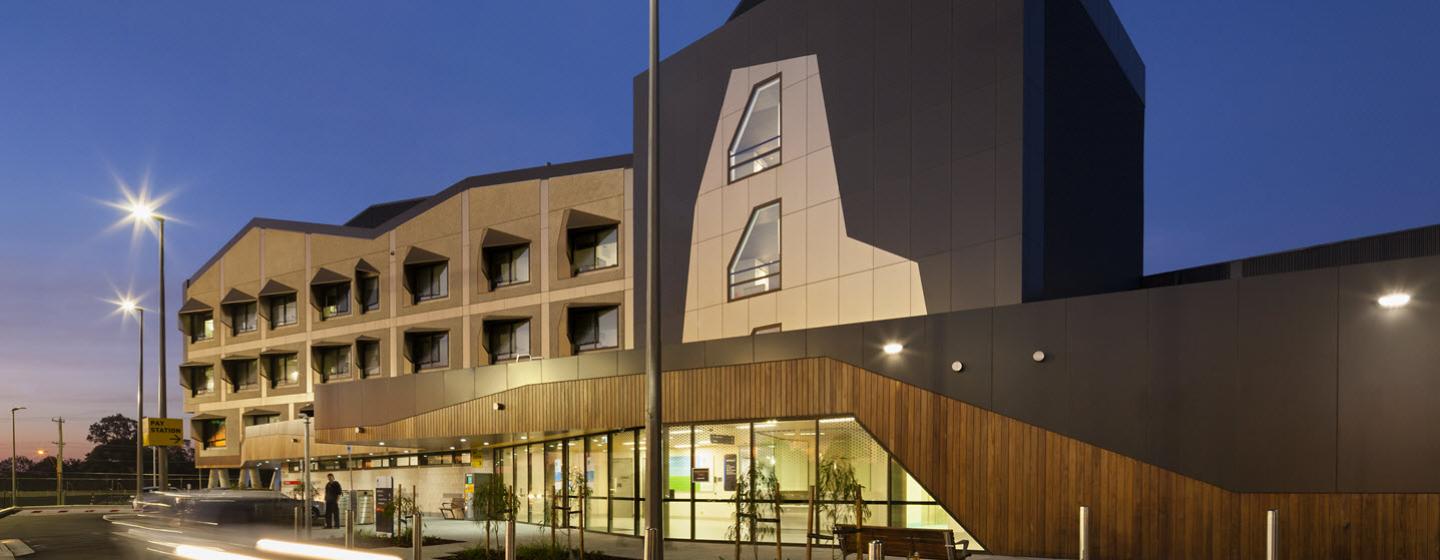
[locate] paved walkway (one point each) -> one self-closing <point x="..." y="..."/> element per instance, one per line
<point x="470" y="533"/>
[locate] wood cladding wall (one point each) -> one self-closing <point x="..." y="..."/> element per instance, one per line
<point x="1017" y="488"/>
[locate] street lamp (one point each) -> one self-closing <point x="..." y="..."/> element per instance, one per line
<point x="144" y="212"/>
<point x="14" y="458"/>
<point x="130" y="307"/>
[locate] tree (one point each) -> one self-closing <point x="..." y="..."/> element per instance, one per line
<point x="23" y="464"/>
<point x="115" y="428"/>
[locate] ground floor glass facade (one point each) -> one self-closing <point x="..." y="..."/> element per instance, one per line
<point x="706" y="465"/>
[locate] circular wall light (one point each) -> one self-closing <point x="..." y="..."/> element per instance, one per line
<point x="956" y="366"/>
<point x="893" y="348"/>
<point x="1038" y="356"/>
<point x="1393" y="300"/>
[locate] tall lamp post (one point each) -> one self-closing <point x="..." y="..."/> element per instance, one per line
<point x="655" y="532"/>
<point x="14" y="457"/>
<point x="129" y="307"/>
<point x="142" y="212"/>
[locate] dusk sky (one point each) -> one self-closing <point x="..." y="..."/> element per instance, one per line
<point x="1269" y="126"/>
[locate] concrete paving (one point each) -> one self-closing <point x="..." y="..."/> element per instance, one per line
<point x="470" y="533"/>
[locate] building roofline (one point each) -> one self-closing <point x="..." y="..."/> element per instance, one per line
<point x="546" y="171"/>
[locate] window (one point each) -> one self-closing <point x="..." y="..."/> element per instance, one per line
<point x="202" y="381"/>
<point x="284" y="370"/>
<point x="755" y="268"/>
<point x="202" y="326"/>
<point x="369" y="293"/>
<point x="243" y="375"/>
<point x="594" y="248"/>
<point x="261" y="419"/>
<point x="212" y="433"/>
<point x="242" y="317"/>
<point x="594" y="328"/>
<point x="429" y="350"/>
<point x="334" y="300"/>
<point x="368" y="357"/>
<point x="429" y="281"/>
<point x="757" y="141"/>
<point x="507" y="265"/>
<point x="282" y="310"/>
<point x="507" y="340"/>
<point x="333" y="362"/>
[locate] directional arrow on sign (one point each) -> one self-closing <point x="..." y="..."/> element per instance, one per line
<point x="166" y="440"/>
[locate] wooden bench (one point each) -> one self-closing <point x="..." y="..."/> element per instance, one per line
<point x="454" y="507"/>
<point x="935" y="544"/>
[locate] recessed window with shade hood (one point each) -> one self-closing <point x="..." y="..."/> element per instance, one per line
<point x="594" y="328"/>
<point x="283" y="369"/>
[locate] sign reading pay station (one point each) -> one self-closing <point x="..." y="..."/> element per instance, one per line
<point x="163" y="432"/>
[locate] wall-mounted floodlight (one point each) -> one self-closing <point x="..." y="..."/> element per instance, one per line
<point x="1393" y="300"/>
<point x="893" y="348"/>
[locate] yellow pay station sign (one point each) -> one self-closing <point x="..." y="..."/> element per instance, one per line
<point x="163" y="432"/>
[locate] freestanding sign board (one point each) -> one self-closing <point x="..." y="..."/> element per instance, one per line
<point x="162" y="432"/>
<point x="384" y="495"/>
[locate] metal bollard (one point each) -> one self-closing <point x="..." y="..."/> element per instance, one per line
<point x="1272" y="534"/>
<point x="510" y="539"/>
<point x="877" y="550"/>
<point x="417" y="537"/>
<point x="650" y="543"/>
<point x="297" y="523"/>
<point x="1084" y="532"/>
<point x="349" y="528"/>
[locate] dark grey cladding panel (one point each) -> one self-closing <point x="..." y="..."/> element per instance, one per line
<point x="780" y="346"/>
<point x="912" y="364"/>
<point x="1106" y="362"/>
<point x="387" y="399"/>
<point x="963" y="337"/>
<point x="682" y="356"/>
<point x="1192" y="383"/>
<point x="1389" y="378"/>
<point x="341" y="405"/>
<point x="730" y="351"/>
<point x="1284" y="406"/>
<point x="429" y="391"/>
<point x="459" y="386"/>
<point x="842" y="343"/>
<point x="1035" y="392"/>
<point x="631" y="361"/>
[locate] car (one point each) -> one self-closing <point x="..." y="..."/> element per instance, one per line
<point x="230" y="507"/>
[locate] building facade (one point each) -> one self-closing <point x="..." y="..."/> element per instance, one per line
<point x="900" y="241"/>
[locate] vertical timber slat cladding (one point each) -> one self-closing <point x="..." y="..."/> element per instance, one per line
<point x="1016" y="487"/>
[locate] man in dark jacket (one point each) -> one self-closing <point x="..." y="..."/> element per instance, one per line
<point x="332" y="502"/>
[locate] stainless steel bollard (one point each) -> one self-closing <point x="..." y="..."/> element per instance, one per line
<point x="877" y="550"/>
<point x="349" y="524"/>
<point x="297" y="523"/>
<point x="650" y="543"/>
<point x="510" y="540"/>
<point x="1084" y="532"/>
<point x="417" y="537"/>
<point x="1272" y="534"/>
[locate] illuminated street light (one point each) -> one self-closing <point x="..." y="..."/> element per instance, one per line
<point x="145" y="211"/>
<point x="129" y="306"/>
<point x="14" y="498"/>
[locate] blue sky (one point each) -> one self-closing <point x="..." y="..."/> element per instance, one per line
<point x="1269" y="127"/>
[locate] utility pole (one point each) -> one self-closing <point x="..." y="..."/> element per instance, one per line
<point x="140" y="414"/>
<point x="60" y="461"/>
<point x="162" y="456"/>
<point x="305" y="472"/>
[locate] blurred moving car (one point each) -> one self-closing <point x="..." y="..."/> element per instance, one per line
<point x="230" y="507"/>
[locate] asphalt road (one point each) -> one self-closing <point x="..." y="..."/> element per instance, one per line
<point x="68" y="536"/>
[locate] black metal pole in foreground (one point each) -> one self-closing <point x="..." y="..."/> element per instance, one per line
<point x="140" y="414"/>
<point x="654" y="486"/>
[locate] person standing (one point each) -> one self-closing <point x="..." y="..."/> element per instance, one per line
<point x="332" y="502"/>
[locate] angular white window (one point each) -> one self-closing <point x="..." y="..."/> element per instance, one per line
<point x="757" y="141"/>
<point x="755" y="268"/>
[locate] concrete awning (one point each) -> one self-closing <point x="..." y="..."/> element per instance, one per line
<point x="421" y="256"/>
<point x="496" y="238"/>
<point x="236" y="296"/>
<point x="576" y="219"/>
<point x="325" y="277"/>
<point x="273" y="288"/>
<point x="365" y="267"/>
<point x="194" y="306"/>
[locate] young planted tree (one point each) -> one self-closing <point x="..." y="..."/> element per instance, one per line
<point x="580" y="490"/>
<point x="840" y="494"/>
<point x="757" y="500"/>
<point x="494" y="504"/>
